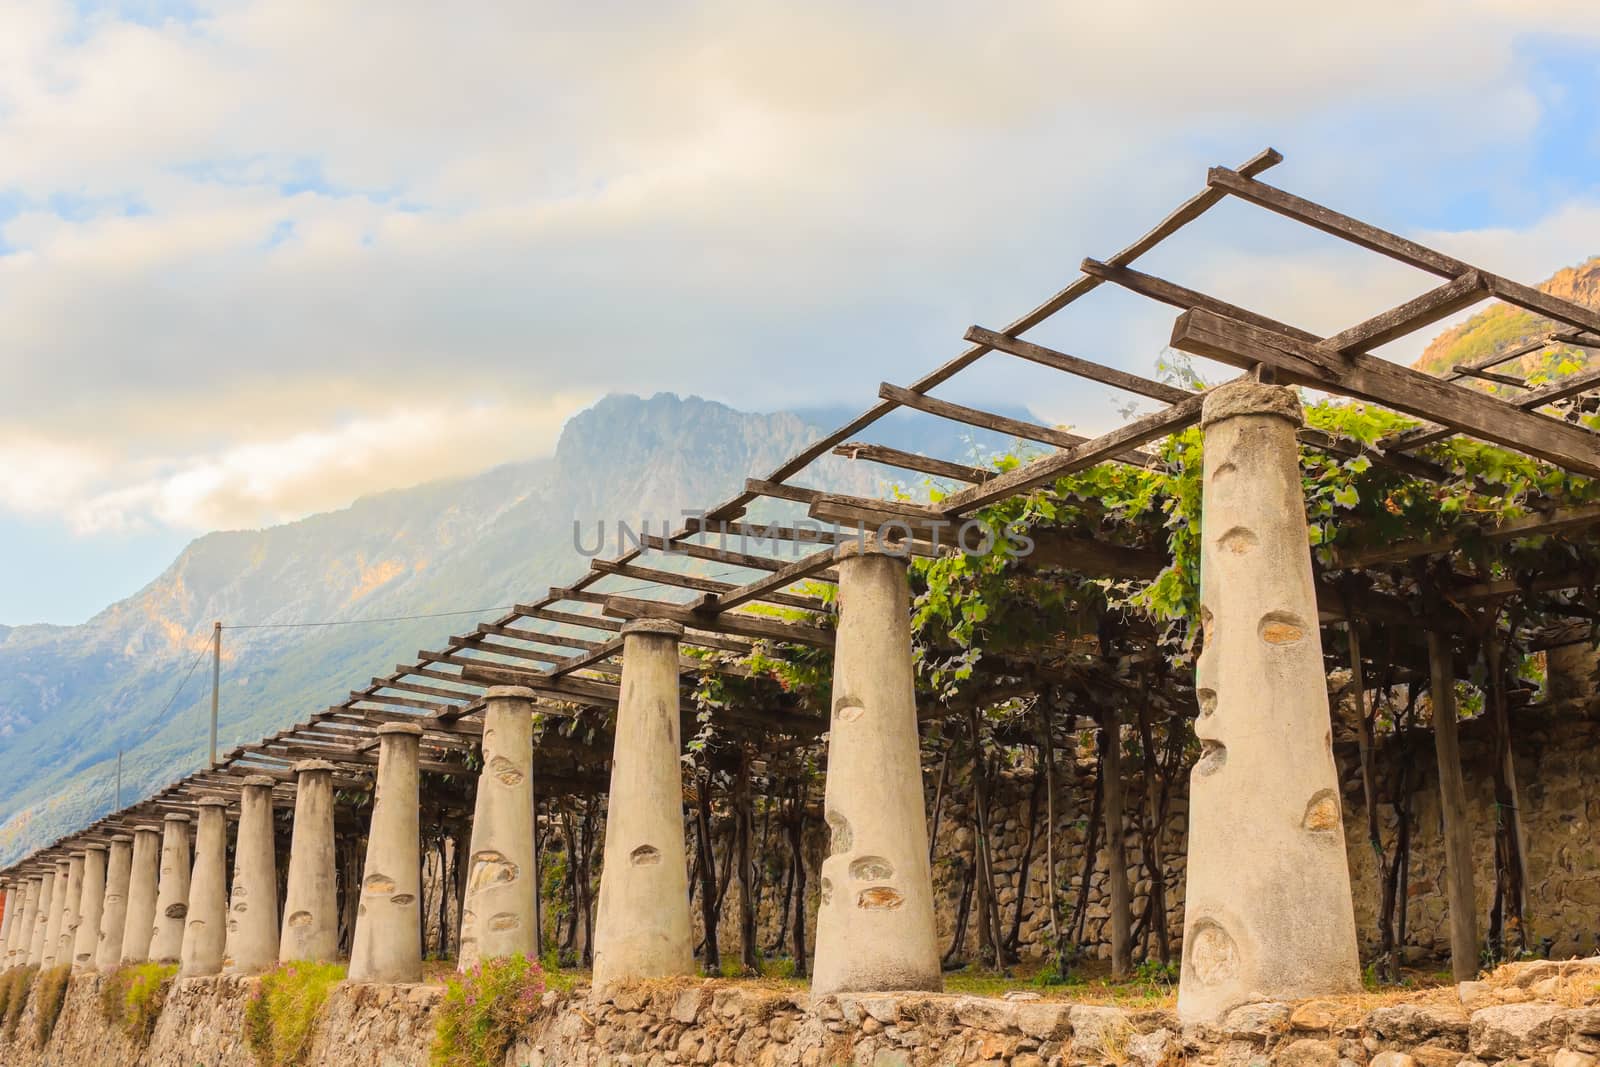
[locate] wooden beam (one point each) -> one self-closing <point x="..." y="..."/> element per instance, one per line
<point x="764" y="588"/>
<point x="1453" y="809"/>
<point x="1083" y="368"/>
<point x="1486" y="375"/>
<point x="1538" y="524"/>
<point x="704" y="585"/>
<point x="1413" y="315"/>
<point x="737" y="623"/>
<point x="1558" y="390"/>
<point x="910" y="461"/>
<point x="1024" y="478"/>
<point x="983" y="420"/>
<point x="1399" y="248"/>
<point x="1401" y="388"/>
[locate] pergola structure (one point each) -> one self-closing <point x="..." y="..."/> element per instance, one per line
<point x="562" y="656"/>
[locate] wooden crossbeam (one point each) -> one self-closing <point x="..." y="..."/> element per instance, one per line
<point x="1399" y="248"/>
<point x="1413" y="315"/>
<point x="737" y="623"/>
<point x="1460" y="371"/>
<point x="703" y="585"/>
<point x="1538" y="524"/>
<point x="1083" y="368"/>
<point x="910" y="461"/>
<point x="765" y="588"/>
<point x="1243" y="344"/>
<point x="1560" y="389"/>
<point x="1022" y="479"/>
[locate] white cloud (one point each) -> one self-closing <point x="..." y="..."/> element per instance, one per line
<point x="249" y="248"/>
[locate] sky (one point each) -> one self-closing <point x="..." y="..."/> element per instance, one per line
<point x="259" y="257"/>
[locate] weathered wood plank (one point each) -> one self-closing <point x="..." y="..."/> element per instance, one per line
<point x="1453" y="810"/>
<point x="1539" y="524"/>
<point x="764" y="588"/>
<point x="736" y="623"/>
<point x="910" y="461"/>
<point x="1401" y="388"/>
<point x="1411" y="316"/>
<point x="1040" y="471"/>
<point x="1560" y="389"/>
<point x="1083" y="368"/>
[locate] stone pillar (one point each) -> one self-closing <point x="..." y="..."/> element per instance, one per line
<point x="41" y="919"/>
<point x="642" y="929"/>
<point x="204" y="932"/>
<point x="875" y="925"/>
<point x="497" y="916"/>
<point x="51" y="919"/>
<point x="68" y="937"/>
<point x="91" y="904"/>
<point x="1268" y="912"/>
<point x="7" y="924"/>
<point x="114" y="915"/>
<point x="172" y="891"/>
<point x="143" y="873"/>
<point x="253" y="912"/>
<point x="311" y="902"/>
<point x="388" y="936"/>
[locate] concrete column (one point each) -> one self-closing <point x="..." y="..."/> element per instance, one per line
<point x="875" y="925"/>
<point x="86" y="937"/>
<point x="38" y="913"/>
<point x="388" y="936"/>
<point x="172" y="890"/>
<point x="114" y="915"/>
<point x="51" y="917"/>
<point x="497" y="916"/>
<point x="7" y="924"/>
<point x="253" y="912"/>
<point x="143" y="874"/>
<point x="311" y="903"/>
<point x="642" y="930"/>
<point x="204" y="932"/>
<point x="68" y="937"/>
<point x="1268" y="912"/>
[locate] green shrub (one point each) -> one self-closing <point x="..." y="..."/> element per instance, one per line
<point x="280" y="1017"/>
<point x="14" y="986"/>
<point x="52" y="987"/>
<point x="483" y="1010"/>
<point x="132" y="997"/>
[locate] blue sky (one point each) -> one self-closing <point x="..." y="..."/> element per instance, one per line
<point x="259" y="258"/>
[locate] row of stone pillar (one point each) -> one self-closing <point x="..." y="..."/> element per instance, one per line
<point x="1268" y="894"/>
<point x="875" y="930"/>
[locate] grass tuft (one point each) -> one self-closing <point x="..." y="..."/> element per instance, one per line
<point x="280" y="1018"/>
<point x="52" y="994"/>
<point x="483" y="1009"/>
<point x="14" y="987"/>
<point x="132" y="997"/>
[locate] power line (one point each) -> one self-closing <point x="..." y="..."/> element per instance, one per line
<point x="186" y="674"/>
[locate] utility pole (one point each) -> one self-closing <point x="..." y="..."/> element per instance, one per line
<point x="216" y="681"/>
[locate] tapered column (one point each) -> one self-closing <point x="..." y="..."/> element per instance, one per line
<point x="143" y="876"/>
<point x="875" y="925"/>
<point x="311" y="902"/>
<point x="253" y="911"/>
<point x="497" y="916"/>
<point x="388" y="935"/>
<point x="643" y="925"/>
<point x="68" y="937"/>
<point x="1268" y="912"/>
<point x="114" y="915"/>
<point x="86" y="937"/>
<point x="7" y="924"/>
<point x="172" y="891"/>
<point x="41" y="918"/>
<point x="204" y="932"/>
<point x="51" y="919"/>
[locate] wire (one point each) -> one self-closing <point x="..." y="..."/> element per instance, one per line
<point x="186" y="675"/>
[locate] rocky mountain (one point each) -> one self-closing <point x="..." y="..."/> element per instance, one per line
<point x="1501" y="326"/>
<point x="136" y="676"/>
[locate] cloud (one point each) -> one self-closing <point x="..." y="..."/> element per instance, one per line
<point x="256" y="257"/>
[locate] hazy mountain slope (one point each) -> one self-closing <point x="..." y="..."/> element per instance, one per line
<point x="70" y="696"/>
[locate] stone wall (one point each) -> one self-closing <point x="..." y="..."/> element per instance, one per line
<point x="1531" y="1013"/>
<point x="203" y="1025"/>
<point x="1557" y="759"/>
